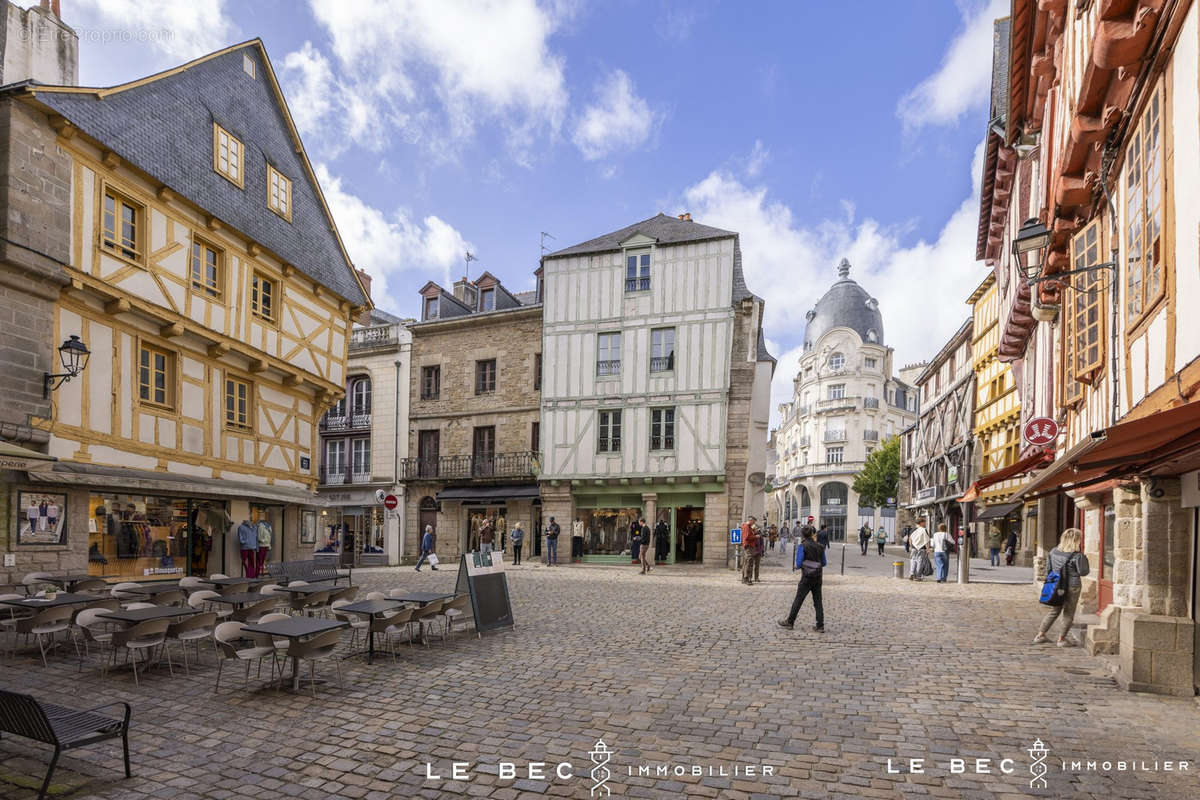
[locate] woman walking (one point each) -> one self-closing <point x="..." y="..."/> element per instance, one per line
<point x="1070" y="564"/>
<point x="518" y="539"/>
<point x="881" y="538"/>
<point x="810" y="558"/>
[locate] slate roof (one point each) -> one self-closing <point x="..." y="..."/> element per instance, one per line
<point x="526" y="298"/>
<point x="662" y="228"/>
<point x="163" y="125"/>
<point x="845" y="305"/>
<point x="763" y="353"/>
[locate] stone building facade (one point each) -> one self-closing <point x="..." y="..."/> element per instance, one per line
<point x="364" y="439"/>
<point x="845" y="403"/>
<point x="474" y="417"/>
<point x="656" y="393"/>
<point x="216" y="318"/>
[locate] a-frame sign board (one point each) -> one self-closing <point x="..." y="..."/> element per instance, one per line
<point x="482" y="576"/>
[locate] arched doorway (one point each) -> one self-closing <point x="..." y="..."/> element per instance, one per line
<point x="805" y="509"/>
<point x="427" y="516"/>
<point x="833" y="510"/>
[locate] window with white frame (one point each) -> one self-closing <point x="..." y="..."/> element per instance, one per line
<point x="662" y="429"/>
<point x="662" y="349"/>
<point x="361" y="397"/>
<point x="837" y="361"/>
<point x="837" y="391"/>
<point x="833" y="455"/>
<point x="360" y="459"/>
<point x="637" y="271"/>
<point x="609" y="426"/>
<point x="608" y="354"/>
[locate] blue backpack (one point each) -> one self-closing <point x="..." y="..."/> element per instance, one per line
<point x="1054" y="589"/>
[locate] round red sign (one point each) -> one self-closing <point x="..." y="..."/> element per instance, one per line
<point x="1040" y="430"/>
<point x="390" y="502"/>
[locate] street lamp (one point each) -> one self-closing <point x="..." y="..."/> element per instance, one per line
<point x="74" y="356"/>
<point x="1035" y="236"/>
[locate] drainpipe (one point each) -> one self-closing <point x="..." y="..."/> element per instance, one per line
<point x="400" y="510"/>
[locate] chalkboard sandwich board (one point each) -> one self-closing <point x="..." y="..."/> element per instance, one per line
<point x="482" y="576"/>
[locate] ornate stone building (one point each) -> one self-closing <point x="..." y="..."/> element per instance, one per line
<point x="178" y="230"/>
<point x="845" y="403"/>
<point x="473" y="423"/>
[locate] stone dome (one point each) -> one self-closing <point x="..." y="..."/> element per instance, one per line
<point x="845" y="305"/>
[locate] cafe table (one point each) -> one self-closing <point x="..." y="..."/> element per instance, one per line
<point x="309" y="589"/>
<point x="61" y="599"/>
<point x="155" y="589"/>
<point x="371" y="609"/>
<point x="68" y="582"/>
<point x="294" y="629"/>
<point x="422" y="598"/>
<point x="132" y="616"/>
<point x="241" y="598"/>
<point x="233" y="581"/>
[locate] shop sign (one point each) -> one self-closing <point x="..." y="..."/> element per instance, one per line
<point x="927" y="494"/>
<point x="1040" y="430"/>
<point x="952" y="475"/>
<point x="350" y="498"/>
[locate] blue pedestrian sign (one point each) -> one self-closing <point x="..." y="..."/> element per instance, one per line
<point x="735" y="536"/>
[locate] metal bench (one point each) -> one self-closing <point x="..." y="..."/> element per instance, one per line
<point x="65" y="728"/>
<point x="311" y="571"/>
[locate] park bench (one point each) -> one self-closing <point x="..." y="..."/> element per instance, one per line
<point x="311" y="571"/>
<point x="65" y="728"/>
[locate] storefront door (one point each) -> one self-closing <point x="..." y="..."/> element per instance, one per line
<point x="689" y="534"/>
<point x="1108" y="527"/>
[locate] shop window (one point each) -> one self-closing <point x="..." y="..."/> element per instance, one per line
<point x="156" y="376"/>
<point x="124" y="223"/>
<point x="609" y="426"/>
<point x="268" y="525"/>
<point x="139" y="538"/>
<point x="238" y="405"/>
<point x="264" y="293"/>
<point x="485" y="376"/>
<point x="228" y="155"/>
<point x="1144" y="281"/>
<point x="431" y="382"/>
<point x="606" y="530"/>
<point x="662" y="429"/>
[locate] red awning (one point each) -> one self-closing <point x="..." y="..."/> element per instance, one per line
<point x="1027" y="464"/>
<point x="1164" y="443"/>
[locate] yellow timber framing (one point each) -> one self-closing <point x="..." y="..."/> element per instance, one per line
<point x="272" y="82"/>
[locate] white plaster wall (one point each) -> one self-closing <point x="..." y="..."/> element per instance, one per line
<point x="1186" y="130"/>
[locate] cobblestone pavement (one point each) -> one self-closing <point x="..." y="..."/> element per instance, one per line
<point x="682" y="667"/>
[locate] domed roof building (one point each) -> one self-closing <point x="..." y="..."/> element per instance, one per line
<point x="845" y="403"/>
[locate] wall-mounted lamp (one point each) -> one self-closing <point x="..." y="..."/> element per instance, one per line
<point x="1029" y="248"/>
<point x="74" y="356"/>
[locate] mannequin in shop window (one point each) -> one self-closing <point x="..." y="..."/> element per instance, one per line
<point x="247" y="536"/>
<point x="265" y="536"/>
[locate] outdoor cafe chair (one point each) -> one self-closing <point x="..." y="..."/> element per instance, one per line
<point x="356" y="622"/>
<point x="43" y="625"/>
<point x="192" y="629"/>
<point x="252" y="613"/>
<point x="218" y="575"/>
<point x="347" y="593"/>
<point x="280" y="645"/>
<point x="391" y="627"/>
<point x="456" y="612"/>
<point x="125" y="591"/>
<point x="91" y="627"/>
<point x="231" y="646"/>
<point x="309" y="603"/>
<point x="191" y="583"/>
<point x="32" y="579"/>
<point x="10" y="614"/>
<point x="171" y="598"/>
<point x="376" y="596"/>
<point x="321" y="647"/>
<point x="142" y="638"/>
<point x="140" y="604"/>
<point x="423" y="618"/>
<point x="91" y="585"/>
<point x="202" y="601"/>
<point x="234" y="588"/>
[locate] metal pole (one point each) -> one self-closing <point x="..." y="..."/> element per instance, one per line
<point x="843" y="558"/>
<point x="964" y="551"/>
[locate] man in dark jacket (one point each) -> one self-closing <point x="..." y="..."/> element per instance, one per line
<point x="864" y="538"/>
<point x="823" y="536"/>
<point x="810" y="558"/>
<point x="552" y="532"/>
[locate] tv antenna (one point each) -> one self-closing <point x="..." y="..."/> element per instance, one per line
<point x="545" y="236"/>
<point x="467" y="265"/>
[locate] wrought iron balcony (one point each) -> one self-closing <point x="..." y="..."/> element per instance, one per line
<point x="483" y="467"/>
<point x="870" y="402"/>
<point x="637" y="284"/>
<point x="871" y="436"/>
<point x="344" y="474"/>
<point x="611" y="367"/>
<point x="826" y="468"/>
<point x="370" y="338"/>
<point x="837" y="404"/>
<point x="805" y="441"/>
<point x="835" y="436"/>
<point x="346" y="422"/>
<point x="662" y="363"/>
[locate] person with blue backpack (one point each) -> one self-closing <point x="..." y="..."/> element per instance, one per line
<point x="1064" y="568"/>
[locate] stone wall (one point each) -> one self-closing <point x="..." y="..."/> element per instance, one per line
<point x="1165" y="569"/>
<point x="738" y="426"/>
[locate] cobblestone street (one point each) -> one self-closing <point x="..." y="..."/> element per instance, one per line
<point x="682" y="667"/>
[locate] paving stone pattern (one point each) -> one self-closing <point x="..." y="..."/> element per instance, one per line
<point x="681" y="667"/>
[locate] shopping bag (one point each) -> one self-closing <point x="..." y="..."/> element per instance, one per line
<point x="433" y="559"/>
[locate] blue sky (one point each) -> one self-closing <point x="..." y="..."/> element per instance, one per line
<point x="816" y="129"/>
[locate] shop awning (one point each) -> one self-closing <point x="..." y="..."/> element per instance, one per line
<point x="136" y="481"/>
<point x="1164" y="443"/>
<point x="14" y="456"/>
<point x="460" y="494"/>
<point x="997" y="512"/>
<point x="1027" y="464"/>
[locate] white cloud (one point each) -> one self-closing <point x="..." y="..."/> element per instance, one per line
<point x="962" y="82"/>
<point x="435" y="70"/>
<point x="120" y="40"/>
<point x="922" y="288"/>
<point x="398" y="252"/>
<point x="618" y="120"/>
<point x="758" y="159"/>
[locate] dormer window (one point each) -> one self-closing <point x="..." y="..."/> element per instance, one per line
<point x="487" y="300"/>
<point x="637" y="271"/>
<point x="227" y="154"/>
<point x="431" y="308"/>
<point x="279" y="193"/>
<point x="247" y="64"/>
<point x="872" y="336"/>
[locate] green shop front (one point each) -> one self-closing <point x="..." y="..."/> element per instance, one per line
<point x="608" y="512"/>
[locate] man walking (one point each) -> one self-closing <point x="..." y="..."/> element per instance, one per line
<point x="750" y="537"/>
<point x="487" y="537"/>
<point x="994" y="541"/>
<point x="518" y="538"/>
<point x="864" y="538"/>
<point x="552" y="532"/>
<point x="647" y="554"/>
<point x="577" y="540"/>
<point x="918" y="540"/>
<point x="428" y="544"/>
<point x="810" y="558"/>
<point x="823" y="536"/>
<point x="942" y="542"/>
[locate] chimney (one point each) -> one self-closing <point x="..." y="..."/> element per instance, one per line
<point x="466" y="293"/>
<point x="686" y="216"/>
<point x="38" y="46"/>
<point x="365" y="280"/>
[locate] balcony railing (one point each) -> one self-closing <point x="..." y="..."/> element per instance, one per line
<point x="497" y="465"/>
<point x="805" y="441"/>
<point x="870" y="436"/>
<point x="837" y="403"/>
<point x="826" y="468"/>
<point x="369" y="338"/>
<point x="637" y="284"/>
<point x="662" y="363"/>
<point x="608" y="367"/>
<point x="343" y="474"/>
<point x="348" y="422"/>
<point x="835" y="436"/>
<point x="870" y="402"/>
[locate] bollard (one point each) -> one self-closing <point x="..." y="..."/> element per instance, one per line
<point x="897" y="569"/>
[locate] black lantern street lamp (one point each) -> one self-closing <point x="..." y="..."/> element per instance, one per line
<point x="1029" y="248"/>
<point x="74" y="356"/>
